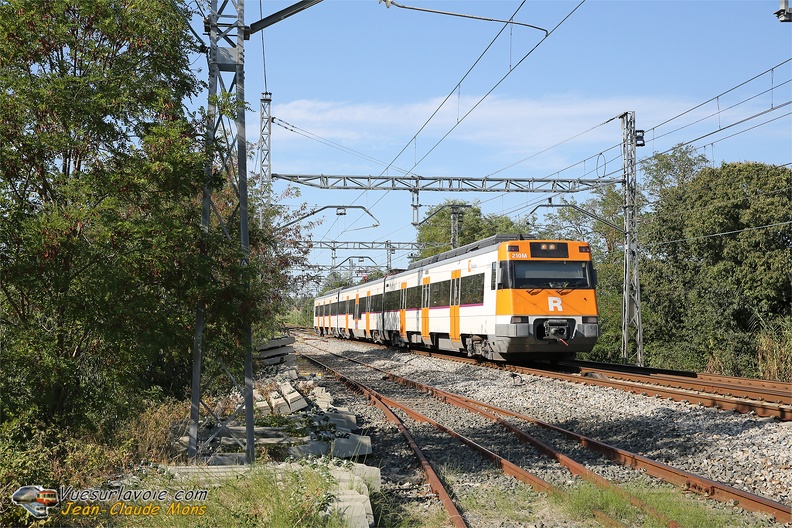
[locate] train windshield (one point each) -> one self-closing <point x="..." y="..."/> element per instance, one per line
<point x="550" y="274"/>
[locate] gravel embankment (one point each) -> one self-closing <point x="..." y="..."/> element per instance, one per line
<point x="746" y="452"/>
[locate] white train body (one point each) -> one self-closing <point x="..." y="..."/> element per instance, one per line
<point x="502" y="297"/>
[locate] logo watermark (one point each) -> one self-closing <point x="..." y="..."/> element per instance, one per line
<point x="36" y="500"/>
<point x="40" y="501"/>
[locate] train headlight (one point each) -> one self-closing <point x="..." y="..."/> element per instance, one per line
<point x="590" y="320"/>
<point x="519" y="319"/>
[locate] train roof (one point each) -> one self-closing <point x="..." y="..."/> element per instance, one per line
<point x="468" y="248"/>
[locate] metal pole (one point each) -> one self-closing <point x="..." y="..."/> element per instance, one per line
<point x="206" y="204"/>
<point x="229" y="59"/>
<point x="266" y="162"/>
<point x="631" y="295"/>
<point x="244" y="235"/>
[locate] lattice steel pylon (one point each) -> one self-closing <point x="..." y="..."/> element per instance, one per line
<point x="631" y="297"/>
<point x="265" y="144"/>
<point x="227" y="33"/>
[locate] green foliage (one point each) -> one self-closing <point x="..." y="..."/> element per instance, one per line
<point x="774" y="347"/>
<point x="265" y="496"/>
<point x="335" y="280"/>
<point x="583" y="499"/>
<point x="473" y="225"/>
<point x="33" y="453"/>
<point x="103" y="259"/>
<point x="717" y="255"/>
<point x="97" y="182"/>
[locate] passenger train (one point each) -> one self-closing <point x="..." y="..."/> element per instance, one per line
<point x="501" y="298"/>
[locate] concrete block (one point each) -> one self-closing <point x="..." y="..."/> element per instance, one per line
<point x="276" y="343"/>
<point x="263" y="407"/>
<point x="355" y="509"/>
<point x="227" y="459"/>
<point x="207" y="475"/>
<point x="346" y="480"/>
<point x="355" y="445"/>
<point x="324" y="404"/>
<point x="346" y="420"/>
<point x="309" y="449"/>
<point x="370" y="475"/>
<point x="286" y="440"/>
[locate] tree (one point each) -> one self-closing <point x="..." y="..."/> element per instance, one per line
<point x="335" y="280"/>
<point x="473" y="226"/>
<point x="98" y="166"/>
<point x="102" y="256"/>
<point x="716" y="259"/>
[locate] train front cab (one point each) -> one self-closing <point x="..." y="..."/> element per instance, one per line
<point x="545" y="300"/>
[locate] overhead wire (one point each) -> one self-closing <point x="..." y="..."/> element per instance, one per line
<point x="718" y="113"/>
<point x="315" y="137"/>
<point x="457" y="87"/>
<point x="712" y="235"/>
<point x="715" y="98"/>
<point x="453" y="90"/>
<point x="495" y="86"/>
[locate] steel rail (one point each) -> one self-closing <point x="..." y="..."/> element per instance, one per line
<point x="435" y="484"/>
<point x="653" y="371"/>
<point x="715" y="490"/>
<point x="714" y="384"/>
<point x="689" y="481"/>
<point x="507" y="467"/>
<point x="761" y="408"/>
<point x="574" y="467"/>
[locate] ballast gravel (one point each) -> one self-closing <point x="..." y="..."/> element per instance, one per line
<point x="749" y="453"/>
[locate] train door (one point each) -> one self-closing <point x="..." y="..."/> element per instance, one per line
<point x="425" y="335"/>
<point x="456" y="281"/>
<point x="368" y="313"/>
<point x="356" y="317"/>
<point x="346" y="316"/>
<point x="403" y="312"/>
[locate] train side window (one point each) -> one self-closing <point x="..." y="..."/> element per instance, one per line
<point x="376" y="302"/>
<point x="357" y="310"/>
<point x="392" y="299"/>
<point x="441" y="293"/>
<point x="413" y="297"/>
<point x="473" y="289"/>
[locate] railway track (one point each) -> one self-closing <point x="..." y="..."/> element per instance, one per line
<point x="743" y="395"/>
<point x="392" y="407"/>
<point x="542" y="436"/>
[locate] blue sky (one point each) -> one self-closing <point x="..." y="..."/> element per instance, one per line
<point x="358" y="74"/>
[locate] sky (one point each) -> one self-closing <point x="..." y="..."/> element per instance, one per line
<point x="359" y="88"/>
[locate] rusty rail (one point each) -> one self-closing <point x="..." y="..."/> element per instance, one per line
<point x="506" y="466"/>
<point x="689" y="481"/>
<point x="762" y="408"/>
<point x="435" y="484"/>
